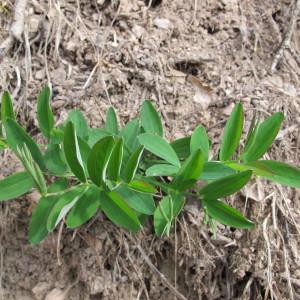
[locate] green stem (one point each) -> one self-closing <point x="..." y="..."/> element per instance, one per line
<point x="163" y="213"/>
<point x="86" y="184"/>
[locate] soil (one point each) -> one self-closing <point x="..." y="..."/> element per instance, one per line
<point x="194" y="59"/>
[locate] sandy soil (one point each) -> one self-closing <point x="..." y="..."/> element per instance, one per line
<point x="97" y="53"/>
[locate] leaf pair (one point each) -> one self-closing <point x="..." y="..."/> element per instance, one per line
<point x="224" y="187"/>
<point x="123" y="204"/>
<point x="186" y="145"/>
<point x="78" y="204"/>
<point x="107" y="155"/>
<point x="262" y="137"/>
<point x="16" y="136"/>
<point x="225" y="214"/>
<point x="272" y="170"/>
<point x="259" y="139"/>
<point x="167" y="210"/>
<point x="190" y="171"/>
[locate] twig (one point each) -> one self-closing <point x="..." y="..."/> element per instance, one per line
<point x="162" y="277"/>
<point x="270" y="264"/>
<point x="100" y="57"/>
<point x="16" y="28"/>
<point x="45" y="53"/>
<point x="160" y="99"/>
<point x="194" y="12"/>
<point x="18" y="87"/>
<point x="286" y="41"/>
<point x="28" y="60"/>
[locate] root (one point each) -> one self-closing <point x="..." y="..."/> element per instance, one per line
<point x="155" y="270"/>
<point x="270" y="264"/>
<point x="286" y="41"/>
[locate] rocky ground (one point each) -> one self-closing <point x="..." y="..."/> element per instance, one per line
<point x="194" y="59"/>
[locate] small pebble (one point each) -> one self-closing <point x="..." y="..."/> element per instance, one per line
<point x="162" y="23"/>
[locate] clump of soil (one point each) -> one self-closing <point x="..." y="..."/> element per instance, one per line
<point x="194" y="59"/>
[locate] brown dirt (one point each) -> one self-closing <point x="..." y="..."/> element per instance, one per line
<point x="96" y="56"/>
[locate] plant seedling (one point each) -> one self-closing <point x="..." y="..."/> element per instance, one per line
<point x="133" y="173"/>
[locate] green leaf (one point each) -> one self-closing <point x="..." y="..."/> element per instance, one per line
<point x="159" y="147"/>
<point x="115" y="161"/>
<point x="99" y="158"/>
<point x="182" y="147"/>
<point x="17" y="137"/>
<point x="55" y="160"/>
<point x="57" y="135"/>
<point x="58" y="185"/>
<point x="278" y="172"/>
<point x="85" y="208"/>
<point x="132" y="164"/>
<point x="96" y="134"/>
<point x="15" y="186"/>
<point x="39" y="179"/>
<point x="142" y="186"/>
<point x="225" y="186"/>
<point x="215" y="170"/>
<point x="166" y="187"/>
<point x="190" y="171"/>
<point x="263" y="137"/>
<point x="232" y="133"/>
<point x="63" y="205"/>
<point x="77" y="118"/>
<point x="263" y="171"/>
<point x="162" y="170"/>
<point x="85" y="151"/>
<point x="38" y="222"/>
<point x="142" y="203"/>
<point x="44" y="112"/>
<point x="251" y="131"/>
<point x="111" y="124"/>
<point x="130" y="133"/>
<point x="72" y="152"/>
<point x="165" y="213"/>
<point x="3" y="145"/>
<point x="225" y="214"/>
<point x="32" y="168"/>
<point x="119" y="212"/>
<point x="200" y="140"/>
<point x="150" y="119"/>
<point x="7" y="110"/>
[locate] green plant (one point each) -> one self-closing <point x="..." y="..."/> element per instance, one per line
<point x="133" y="172"/>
